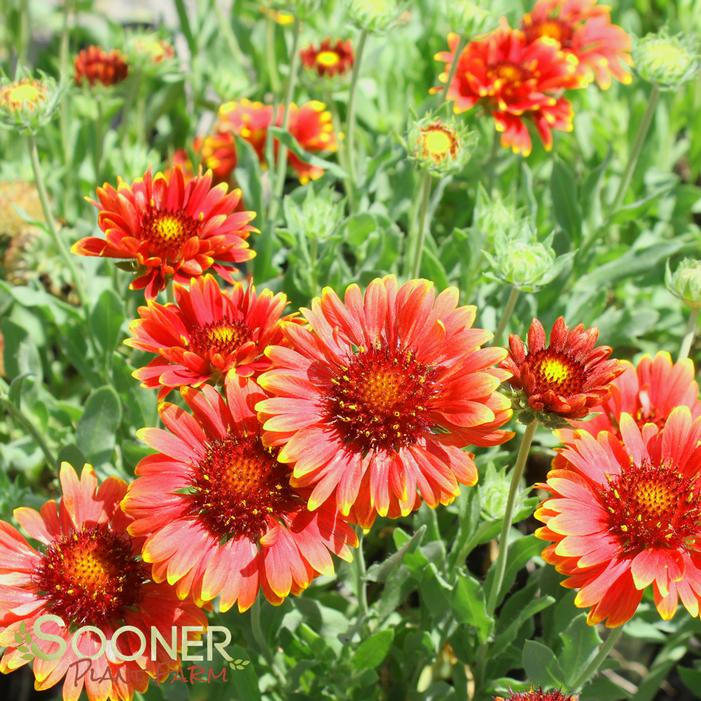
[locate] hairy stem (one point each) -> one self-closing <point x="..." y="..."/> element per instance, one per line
<point x="689" y="334"/>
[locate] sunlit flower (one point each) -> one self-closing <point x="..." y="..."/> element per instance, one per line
<point x="217" y="153"/>
<point x="538" y="695"/>
<point x="373" y="402"/>
<point x="516" y="81"/>
<point x="249" y="120"/>
<point x="311" y="124"/>
<point x="648" y="392"/>
<point x="95" y="65"/>
<point x="171" y="228"/>
<point x="151" y="46"/>
<point x="625" y="513"/>
<point x="583" y="29"/>
<point x="330" y="58"/>
<point x="216" y="506"/>
<point x="564" y="379"/>
<point x="206" y="333"/>
<point x="86" y="570"/>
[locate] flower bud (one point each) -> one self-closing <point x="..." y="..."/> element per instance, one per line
<point x="26" y="104"/>
<point x="317" y="217"/>
<point x="374" y="15"/>
<point x="685" y="282"/>
<point x="523" y="262"/>
<point x="149" y="53"/>
<point x="494" y="492"/>
<point x="494" y="214"/>
<point x="667" y="61"/>
<point x="471" y="18"/>
<point x="294" y="9"/>
<point x="440" y="147"/>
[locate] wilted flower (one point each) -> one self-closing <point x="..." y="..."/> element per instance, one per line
<point x="520" y="260"/>
<point x="623" y="514"/>
<point x="440" y="147"/>
<point x="330" y="59"/>
<point x="516" y="81"/>
<point x="472" y="17"/>
<point x="584" y="30"/>
<point x="685" y="282"/>
<point x="94" y="65"/>
<point x="26" y="104"/>
<point x="667" y="61"/>
<point x="374" y="15"/>
<point x="561" y="380"/>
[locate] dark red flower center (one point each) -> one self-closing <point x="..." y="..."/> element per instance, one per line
<point x="555" y="371"/>
<point x="537" y="695"/>
<point x="222" y="337"/>
<point x="167" y="232"/>
<point x="238" y="485"/>
<point x="91" y="576"/>
<point x="380" y="399"/>
<point x="653" y="506"/>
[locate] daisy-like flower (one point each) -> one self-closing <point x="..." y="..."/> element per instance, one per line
<point x="247" y="119"/>
<point x="562" y="380"/>
<point x="217" y="508"/>
<point x="217" y="153"/>
<point x="625" y="513"/>
<point x="330" y="58"/>
<point x="310" y="124"/>
<point x="86" y="570"/>
<point x="171" y="228"/>
<point x="648" y="392"/>
<point x="538" y="695"/>
<point x="516" y="81"/>
<point x="95" y="65"/>
<point x="206" y="333"/>
<point x="373" y="402"/>
<point x="584" y="30"/>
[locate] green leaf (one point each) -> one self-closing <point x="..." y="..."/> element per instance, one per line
<point x="96" y="433"/>
<point x="518" y="554"/>
<point x="541" y="665"/>
<point x="292" y="144"/>
<point x="106" y="320"/>
<point x="373" y="650"/>
<point x="563" y="189"/>
<point x="379" y="572"/>
<point x="470" y="608"/>
<point x="690" y="677"/>
<point x="580" y="643"/>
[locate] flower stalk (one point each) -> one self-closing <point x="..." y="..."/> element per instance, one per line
<point x="593" y="667"/>
<point x="689" y="334"/>
<point x="506" y="315"/>
<point x="500" y="565"/>
<point x="350" y="121"/>
<point x="420" y="225"/>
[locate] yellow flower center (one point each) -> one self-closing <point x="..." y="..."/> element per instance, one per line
<point x="224" y="335"/>
<point x="551" y="29"/>
<point x="438" y="142"/>
<point x="26" y="94"/>
<point x="328" y="59"/>
<point x="169" y="228"/>
<point x="655" y="498"/>
<point x="555" y="371"/>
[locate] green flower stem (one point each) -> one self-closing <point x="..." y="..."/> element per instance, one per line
<point x="131" y="98"/>
<point x="185" y="26"/>
<point x="60" y="243"/>
<point x="64" y="116"/>
<point x="634" y="156"/>
<point x="506" y="315"/>
<point x="270" y="57"/>
<point x="99" y="137"/>
<point x="282" y="151"/>
<point x="627" y="176"/>
<point x="360" y="581"/>
<point x="29" y="427"/>
<point x="500" y="565"/>
<point x="462" y="42"/>
<point x="350" y="117"/>
<point x="420" y="228"/>
<point x="592" y="668"/>
<point x="342" y="157"/>
<point x="262" y="643"/>
<point x="689" y="334"/>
